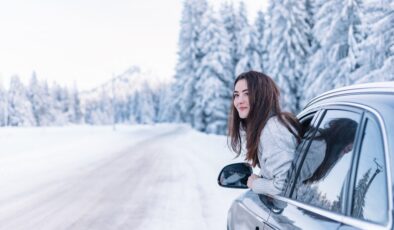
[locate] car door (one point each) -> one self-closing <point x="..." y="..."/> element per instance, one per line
<point x="251" y="210"/>
<point x="315" y="196"/>
<point x="368" y="200"/>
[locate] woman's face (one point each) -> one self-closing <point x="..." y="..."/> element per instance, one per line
<point x="241" y="98"/>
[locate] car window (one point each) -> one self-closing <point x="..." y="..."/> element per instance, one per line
<point x="306" y="131"/>
<point x="326" y="164"/>
<point x="370" y="189"/>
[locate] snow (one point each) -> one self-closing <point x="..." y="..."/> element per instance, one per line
<point x="94" y="177"/>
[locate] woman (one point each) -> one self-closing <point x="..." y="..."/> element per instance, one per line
<point x="271" y="135"/>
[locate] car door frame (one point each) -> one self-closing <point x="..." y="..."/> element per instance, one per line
<point x="345" y="218"/>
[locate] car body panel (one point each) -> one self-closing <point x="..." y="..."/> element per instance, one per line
<point x="247" y="212"/>
<point x="296" y="217"/>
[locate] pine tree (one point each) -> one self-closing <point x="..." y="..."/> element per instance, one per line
<point x="260" y="36"/>
<point x="60" y="100"/>
<point x="158" y="95"/>
<point x="246" y="51"/>
<point x="48" y="118"/>
<point x="41" y="102"/>
<point x="134" y="107"/>
<point x="249" y="55"/>
<point x="89" y="112"/>
<point x="212" y="94"/>
<point x="3" y="106"/>
<point x="35" y="98"/>
<point x="312" y="7"/>
<point x="146" y="107"/>
<point x="165" y="105"/>
<point x="121" y="113"/>
<point x="229" y="20"/>
<point x="131" y="108"/>
<point x="19" y="108"/>
<point x="337" y="30"/>
<point x="377" y="52"/>
<point x="74" y="105"/>
<point x="289" y="49"/>
<point x="356" y="33"/>
<point x="359" y="195"/>
<point x="105" y="112"/>
<point x="189" y="58"/>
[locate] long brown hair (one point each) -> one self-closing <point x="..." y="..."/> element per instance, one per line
<point x="263" y="103"/>
<point x="338" y="133"/>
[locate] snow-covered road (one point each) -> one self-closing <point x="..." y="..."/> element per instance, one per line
<point x="142" y="177"/>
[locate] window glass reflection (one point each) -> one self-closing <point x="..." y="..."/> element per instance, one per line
<point x="327" y="163"/>
<point x="307" y="132"/>
<point x="370" y="193"/>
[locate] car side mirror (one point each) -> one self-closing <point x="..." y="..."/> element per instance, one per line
<point x="235" y="175"/>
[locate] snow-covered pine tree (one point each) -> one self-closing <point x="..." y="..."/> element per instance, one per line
<point x="213" y="97"/>
<point x="228" y="18"/>
<point x="189" y="58"/>
<point x="146" y="107"/>
<point x="259" y="34"/>
<point x="312" y="6"/>
<point x="105" y="113"/>
<point x="356" y="33"/>
<point x="377" y="50"/>
<point x="337" y="30"/>
<point x="48" y="118"/>
<point x="121" y="111"/>
<point x="359" y="195"/>
<point x="41" y="102"/>
<point x="249" y="58"/>
<point x="74" y="113"/>
<point x="351" y="18"/>
<point x="325" y="13"/>
<point x="133" y="105"/>
<point x="60" y="102"/>
<point x="158" y="95"/>
<point x="289" y="49"/>
<point x="100" y="110"/>
<point x="34" y="95"/>
<point x="88" y="114"/>
<point x="20" y="112"/>
<point x="165" y="105"/>
<point x="129" y="108"/>
<point x="3" y="105"/>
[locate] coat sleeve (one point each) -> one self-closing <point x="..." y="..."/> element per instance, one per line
<point x="277" y="149"/>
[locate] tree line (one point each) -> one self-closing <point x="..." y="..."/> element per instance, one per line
<point x="306" y="46"/>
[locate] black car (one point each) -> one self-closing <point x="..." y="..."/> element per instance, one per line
<point x="342" y="175"/>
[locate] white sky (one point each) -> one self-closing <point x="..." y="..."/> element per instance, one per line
<point x="88" y="41"/>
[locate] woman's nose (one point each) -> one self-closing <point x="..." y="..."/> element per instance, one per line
<point x="241" y="99"/>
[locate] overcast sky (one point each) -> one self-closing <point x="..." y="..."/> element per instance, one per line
<point x="88" y="41"/>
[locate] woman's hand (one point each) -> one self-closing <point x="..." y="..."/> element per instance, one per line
<point x="251" y="179"/>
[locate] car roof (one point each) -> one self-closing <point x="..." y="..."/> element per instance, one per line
<point x="377" y="88"/>
<point x="378" y="96"/>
